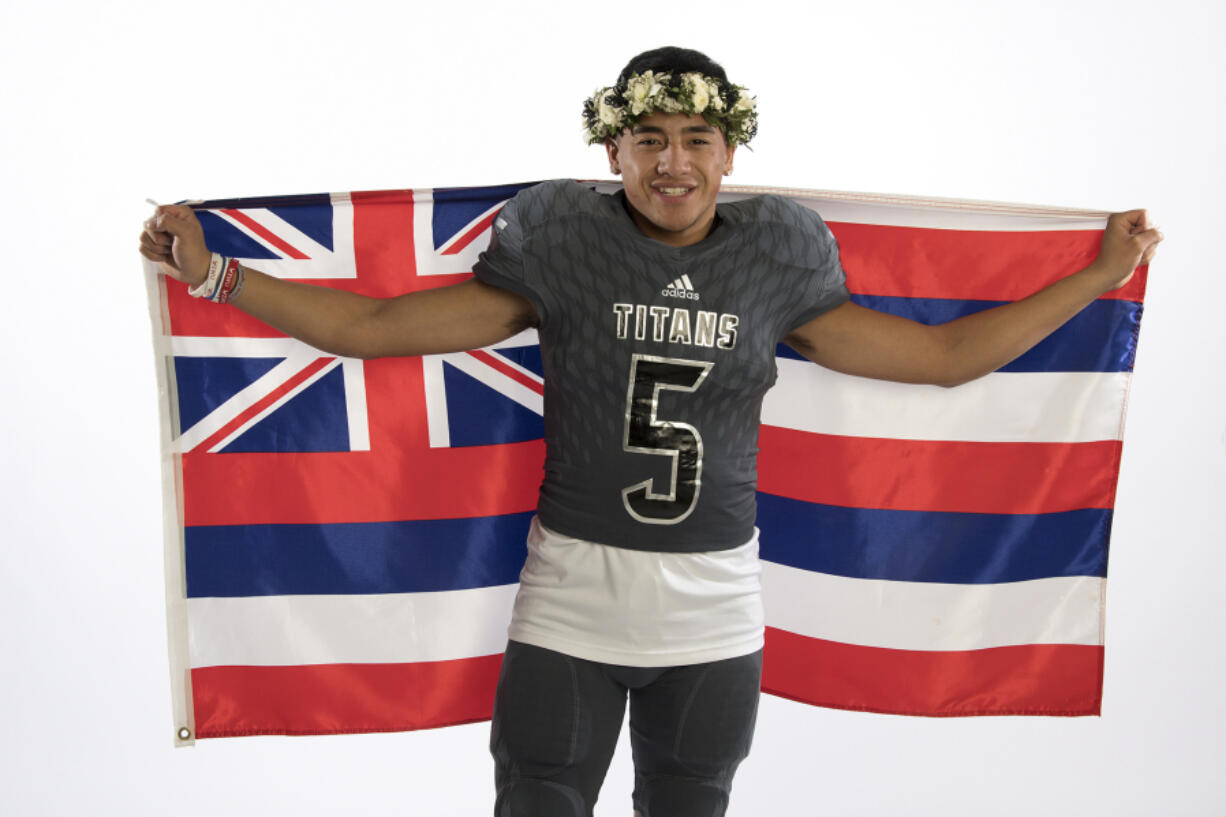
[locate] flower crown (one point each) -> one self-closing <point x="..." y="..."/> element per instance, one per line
<point x="728" y="107"/>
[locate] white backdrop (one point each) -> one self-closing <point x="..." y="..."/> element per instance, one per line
<point x="1102" y="105"/>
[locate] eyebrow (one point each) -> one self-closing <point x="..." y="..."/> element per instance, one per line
<point x="687" y="129"/>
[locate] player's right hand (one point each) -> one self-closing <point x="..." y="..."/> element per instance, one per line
<point x="174" y="239"/>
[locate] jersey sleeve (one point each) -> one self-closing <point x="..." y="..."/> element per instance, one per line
<point x="502" y="263"/>
<point x="826" y="284"/>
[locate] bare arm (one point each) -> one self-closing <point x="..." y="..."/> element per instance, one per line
<point x="448" y="319"/>
<point x="861" y="341"/>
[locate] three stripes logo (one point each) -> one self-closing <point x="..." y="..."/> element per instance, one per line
<point x="681" y="288"/>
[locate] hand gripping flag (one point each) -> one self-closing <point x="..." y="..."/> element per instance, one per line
<point x="343" y="537"/>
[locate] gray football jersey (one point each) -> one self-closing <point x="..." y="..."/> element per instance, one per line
<point x="656" y="358"/>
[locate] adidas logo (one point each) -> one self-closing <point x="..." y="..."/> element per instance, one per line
<point x="681" y="288"/>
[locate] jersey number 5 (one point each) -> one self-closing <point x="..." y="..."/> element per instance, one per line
<point x="648" y="434"/>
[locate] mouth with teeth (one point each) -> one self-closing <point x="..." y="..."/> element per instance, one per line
<point x="673" y="192"/>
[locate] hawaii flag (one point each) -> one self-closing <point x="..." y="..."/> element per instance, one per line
<point x="343" y="537"/>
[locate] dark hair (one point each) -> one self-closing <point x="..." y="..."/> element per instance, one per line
<point x="674" y="60"/>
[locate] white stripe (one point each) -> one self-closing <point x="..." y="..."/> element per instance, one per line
<point x="331" y="629"/>
<point x="918" y="215"/>
<point x="438" y="421"/>
<point x="916" y="211"/>
<point x="930" y="616"/>
<point x="1001" y="407"/>
<point x="685" y="279"/>
<point x="239" y="347"/>
<point x="354" y="372"/>
<point x="403" y="627"/>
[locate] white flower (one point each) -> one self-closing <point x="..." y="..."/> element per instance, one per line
<point x="636" y="94"/>
<point x="668" y="104"/>
<point x="697" y="88"/>
<point x="717" y="101"/>
<point x="744" y="103"/>
<point x="640" y="90"/>
<point x="609" y="114"/>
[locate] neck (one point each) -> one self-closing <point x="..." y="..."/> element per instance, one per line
<point x="684" y="237"/>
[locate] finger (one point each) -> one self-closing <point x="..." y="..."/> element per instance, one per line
<point x="1152" y="249"/>
<point x="154" y="255"/>
<point x="155" y="234"/>
<point x="147" y="246"/>
<point x="173" y="218"/>
<point x="156" y="238"/>
<point x="173" y="210"/>
<point x="152" y="244"/>
<point x="1131" y="221"/>
<point x="1151" y="236"/>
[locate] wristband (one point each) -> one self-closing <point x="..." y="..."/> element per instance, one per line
<point x="223" y="282"/>
<point x="208" y="287"/>
<point x="231" y="282"/>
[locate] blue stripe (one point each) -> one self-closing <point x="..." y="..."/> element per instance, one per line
<point x="1101" y="338"/>
<point x="926" y="546"/>
<point x="369" y="557"/>
<point x="459" y="554"/>
<point x="308" y="199"/>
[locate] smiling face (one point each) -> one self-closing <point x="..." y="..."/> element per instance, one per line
<point x="671" y="166"/>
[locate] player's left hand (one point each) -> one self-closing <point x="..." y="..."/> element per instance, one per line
<point x="1129" y="241"/>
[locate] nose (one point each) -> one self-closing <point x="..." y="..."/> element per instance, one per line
<point x="673" y="160"/>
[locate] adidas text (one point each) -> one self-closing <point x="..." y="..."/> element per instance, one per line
<point x="680" y="293"/>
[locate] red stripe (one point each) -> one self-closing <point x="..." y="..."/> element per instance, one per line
<point x="468" y="237"/>
<point x="497" y="363"/>
<point x="333" y="698"/>
<point x="926" y="475"/>
<point x="264" y="402"/>
<point x="266" y="234"/>
<point x="1058" y="679"/>
<point x="916" y="262"/>
<point x="1035" y="679"/>
<point x="879" y="259"/>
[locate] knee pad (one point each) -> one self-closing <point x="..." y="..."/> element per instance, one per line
<point x="667" y="796"/>
<point x="526" y="797"/>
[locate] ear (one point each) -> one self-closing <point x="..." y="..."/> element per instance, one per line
<point x="728" y="160"/>
<point x="610" y="146"/>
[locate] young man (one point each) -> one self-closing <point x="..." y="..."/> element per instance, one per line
<point x="658" y="315"/>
